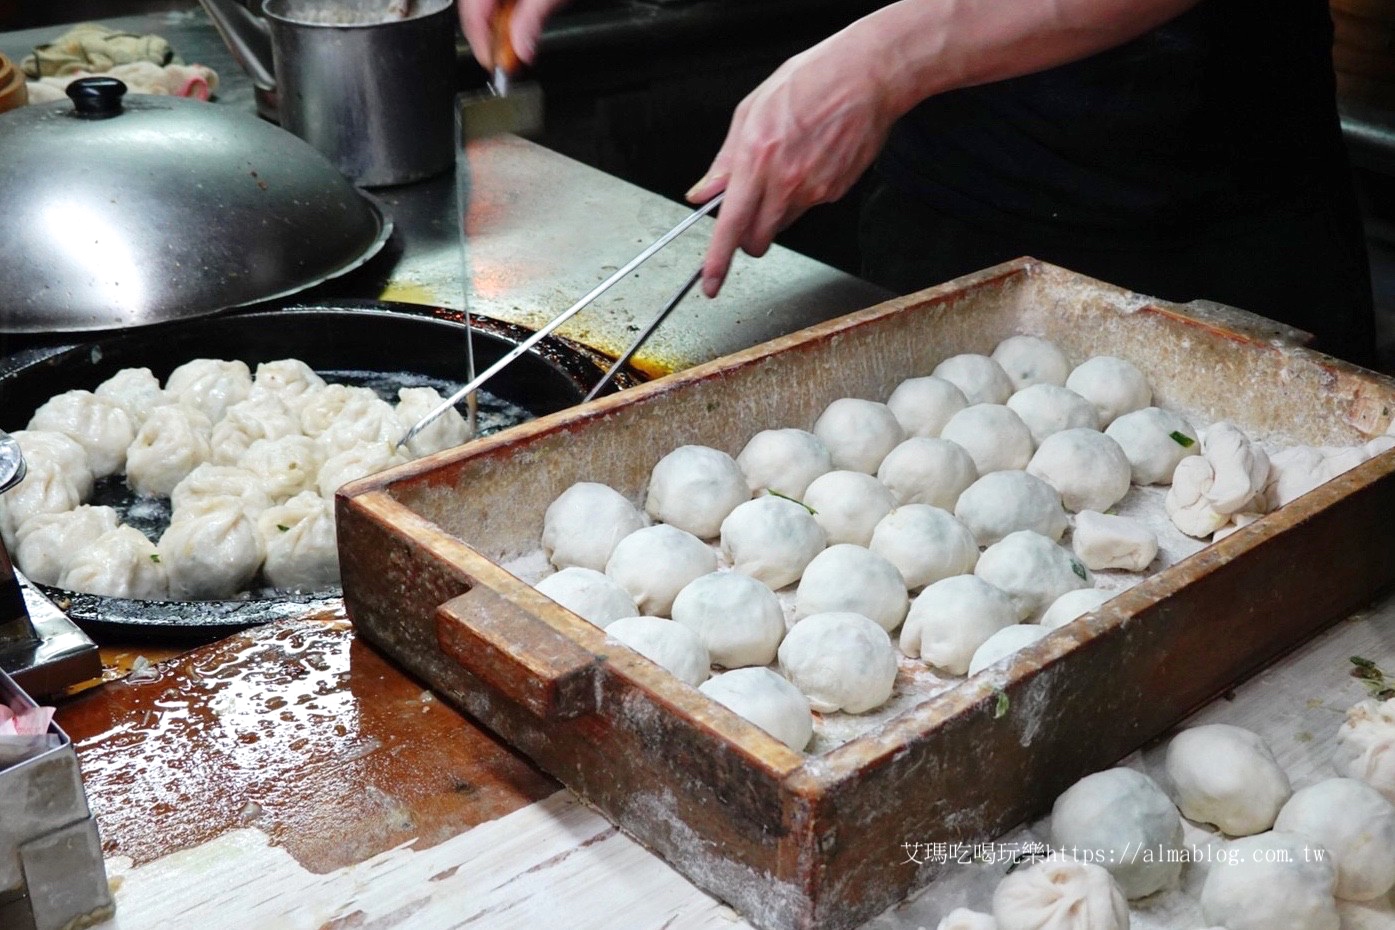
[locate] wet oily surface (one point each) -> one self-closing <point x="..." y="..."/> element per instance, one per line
<point x="295" y="729"/>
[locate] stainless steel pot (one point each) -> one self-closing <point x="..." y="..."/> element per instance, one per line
<point x="130" y="210"/>
<point x="371" y="90"/>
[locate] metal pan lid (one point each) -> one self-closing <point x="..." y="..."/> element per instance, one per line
<point x="128" y="210"/>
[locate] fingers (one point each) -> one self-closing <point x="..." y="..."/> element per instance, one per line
<point x="526" y="26"/>
<point x="734" y="218"/>
<point x="475" y="18"/>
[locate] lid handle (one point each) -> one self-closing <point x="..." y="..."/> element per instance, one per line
<point x="96" y="97"/>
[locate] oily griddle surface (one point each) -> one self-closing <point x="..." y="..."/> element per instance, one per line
<point x="377" y="344"/>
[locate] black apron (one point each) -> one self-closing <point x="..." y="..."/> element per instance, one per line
<point x="1201" y="160"/>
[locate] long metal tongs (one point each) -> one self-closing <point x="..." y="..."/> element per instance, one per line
<point x="565" y="315"/>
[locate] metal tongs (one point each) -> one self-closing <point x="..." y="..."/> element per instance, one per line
<point x="477" y="381"/>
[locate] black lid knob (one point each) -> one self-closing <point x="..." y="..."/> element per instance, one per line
<point x="96" y="97"/>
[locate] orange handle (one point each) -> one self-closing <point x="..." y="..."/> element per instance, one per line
<point x="505" y="58"/>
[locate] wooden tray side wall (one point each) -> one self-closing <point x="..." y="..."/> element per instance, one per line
<point x="837" y="822"/>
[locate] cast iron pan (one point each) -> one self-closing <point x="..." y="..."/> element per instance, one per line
<point x="364" y="337"/>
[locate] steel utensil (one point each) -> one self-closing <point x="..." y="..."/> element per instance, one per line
<point x="12" y="467"/>
<point x="564" y="316"/>
<point x="648" y="331"/>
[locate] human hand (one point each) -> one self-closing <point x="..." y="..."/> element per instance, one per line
<point x="801" y="138"/>
<point x="526" y="19"/>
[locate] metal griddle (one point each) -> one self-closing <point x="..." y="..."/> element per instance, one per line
<point x="356" y="336"/>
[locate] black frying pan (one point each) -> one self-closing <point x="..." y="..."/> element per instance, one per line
<point x="359" y="336"/>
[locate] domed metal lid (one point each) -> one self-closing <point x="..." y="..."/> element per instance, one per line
<point x="123" y="212"/>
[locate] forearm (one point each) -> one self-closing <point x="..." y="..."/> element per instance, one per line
<point x="915" y="49"/>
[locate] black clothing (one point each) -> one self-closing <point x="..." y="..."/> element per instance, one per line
<point x="1203" y="159"/>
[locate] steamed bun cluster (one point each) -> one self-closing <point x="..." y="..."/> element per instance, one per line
<point x="806" y="553"/>
<point x="250" y="463"/>
<point x="1273" y="857"/>
<point x="937" y="518"/>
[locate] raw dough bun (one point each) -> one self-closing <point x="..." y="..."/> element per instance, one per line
<point x="694" y="488"/>
<point x="212" y="385"/>
<point x="209" y="480"/>
<point x="302" y="553"/>
<point x="1366" y="745"/>
<point x="1004" y="502"/>
<point x="211" y="551"/>
<point x="172" y="443"/>
<point x="447" y="431"/>
<point x="1146" y="438"/>
<point x="138" y="392"/>
<point x="1186" y="502"/>
<point x="1226" y="776"/>
<point x="766" y="700"/>
<point x="1247" y="889"/>
<point x="845" y="578"/>
<point x="585" y="523"/>
<point x="320" y="407"/>
<point x="1032" y="570"/>
<point x="592" y="596"/>
<point x="1060" y="894"/>
<point x="99" y="424"/>
<point x="926" y="470"/>
<point x="1353" y="822"/>
<point x="1120" y="811"/>
<point x="771" y="539"/>
<point x="1071" y="606"/>
<point x="1008" y="641"/>
<point x="1029" y="360"/>
<point x="288" y="379"/>
<point x="1048" y="409"/>
<point x="671" y="646"/>
<point x="48" y="541"/>
<point x="961" y="918"/>
<point x="119" y="563"/>
<point x="1241" y="468"/>
<point x="261" y="416"/>
<point x="1294" y="472"/>
<point x="982" y="380"/>
<point x="1113" y="385"/>
<point x="839" y="661"/>
<point x="848" y="505"/>
<point x="1103" y="540"/>
<point x="1238" y="521"/>
<point x="952" y="618"/>
<point x="925" y="544"/>
<point x="924" y="405"/>
<point x="995" y="437"/>
<point x="783" y="460"/>
<point x="61" y="450"/>
<point x="1088" y="468"/>
<point x="657" y="562"/>
<point x="302" y="461"/>
<point x="45" y="488"/>
<point x="858" y="433"/>
<point x="292" y="464"/>
<point x="364" y="419"/>
<point x="737" y="618"/>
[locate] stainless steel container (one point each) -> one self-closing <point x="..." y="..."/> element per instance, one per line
<point x="373" y="93"/>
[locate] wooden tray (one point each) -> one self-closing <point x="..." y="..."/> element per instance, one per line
<point x="818" y="841"/>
